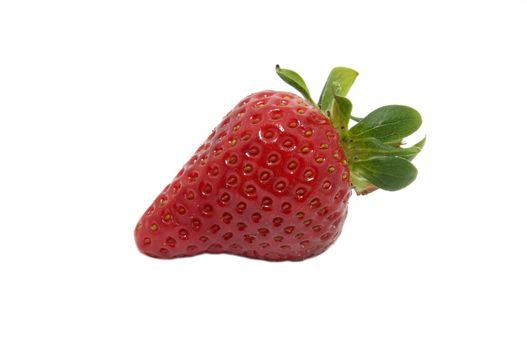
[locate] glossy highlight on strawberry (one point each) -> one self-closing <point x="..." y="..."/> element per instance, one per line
<point x="271" y="182"/>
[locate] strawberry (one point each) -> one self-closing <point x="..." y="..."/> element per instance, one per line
<point x="273" y="179"/>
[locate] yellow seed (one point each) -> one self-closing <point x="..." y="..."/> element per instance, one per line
<point x="330" y="135"/>
<point x="331" y="169"/>
<point x="168" y="217"/>
<point x="305" y="149"/>
<point x="324" y="146"/>
<point x="308" y="133"/>
<point x="300" y="192"/>
<point x="154" y="227"/>
<point x="233" y="142"/>
<point x="237" y="127"/>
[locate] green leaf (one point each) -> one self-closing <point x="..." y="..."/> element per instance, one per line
<point x="295" y="80"/>
<point x="388" y="173"/>
<point x="356" y="119"/>
<point x="368" y="148"/>
<point x="344" y="77"/>
<point x="388" y="124"/>
<point x="340" y="112"/>
<point x="418" y="146"/>
<point x="384" y="166"/>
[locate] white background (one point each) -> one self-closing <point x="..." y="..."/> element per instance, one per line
<point x="101" y="102"/>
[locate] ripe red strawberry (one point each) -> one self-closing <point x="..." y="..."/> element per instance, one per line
<point x="273" y="179"/>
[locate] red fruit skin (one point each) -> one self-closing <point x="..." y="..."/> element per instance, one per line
<point x="270" y="182"/>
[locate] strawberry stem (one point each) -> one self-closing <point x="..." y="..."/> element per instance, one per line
<point x="373" y="145"/>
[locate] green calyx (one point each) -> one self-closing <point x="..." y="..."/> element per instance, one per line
<point x="373" y="145"/>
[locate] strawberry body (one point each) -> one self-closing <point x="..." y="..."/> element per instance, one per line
<point x="270" y="182"/>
